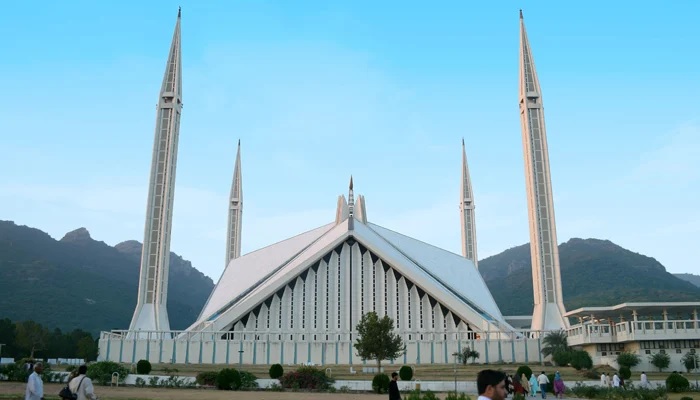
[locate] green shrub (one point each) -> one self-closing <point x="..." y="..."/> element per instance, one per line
<point x="143" y="367"/>
<point x="306" y="378"/>
<point x="580" y="359"/>
<point x="228" y="379"/>
<point x="686" y="398"/>
<point x="207" y="378"/>
<point x="406" y="373"/>
<point x="429" y="395"/>
<point x="276" y="370"/>
<point x="140" y="382"/>
<point x="625" y="373"/>
<point x="562" y="357"/>
<point x="380" y="383"/>
<point x="248" y="380"/>
<point x="550" y="385"/>
<point x="627" y="359"/>
<point x="524" y="369"/>
<point x="101" y="372"/>
<point x="677" y="383"/>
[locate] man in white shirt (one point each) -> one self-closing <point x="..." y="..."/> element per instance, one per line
<point x="603" y="380"/>
<point x="491" y="385"/>
<point x="643" y="381"/>
<point x="616" y="381"/>
<point x="82" y="385"/>
<point x="543" y="381"/>
<point x="35" y="386"/>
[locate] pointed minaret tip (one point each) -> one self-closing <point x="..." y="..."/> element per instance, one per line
<point x="179" y="12"/>
<point x="239" y="142"/>
<point x="462" y="142"/>
<point x="350" y="182"/>
<point x="521" y="14"/>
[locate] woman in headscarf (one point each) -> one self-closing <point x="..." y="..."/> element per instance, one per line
<point x="525" y="382"/>
<point x="558" y="385"/>
<point x="517" y="385"/>
<point x="534" y="386"/>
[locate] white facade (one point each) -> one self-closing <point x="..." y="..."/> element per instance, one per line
<point x="546" y="277"/>
<point x="151" y="312"/>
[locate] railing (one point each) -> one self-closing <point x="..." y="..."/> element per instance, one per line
<point x="588" y="333"/>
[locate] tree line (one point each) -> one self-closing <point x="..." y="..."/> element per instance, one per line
<point x="31" y="339"/>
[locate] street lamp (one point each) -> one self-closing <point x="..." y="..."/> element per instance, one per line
<point x="456" y="355"/>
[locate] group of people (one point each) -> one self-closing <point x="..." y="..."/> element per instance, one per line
<point x="78" y="383"/>
<point x="618" y="381"/>
<point x="496" y="385"/>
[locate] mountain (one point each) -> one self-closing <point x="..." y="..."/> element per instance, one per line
<point x="694" y="279"/>
<point x="78" y="282"/>
<point x="593" y="272"/>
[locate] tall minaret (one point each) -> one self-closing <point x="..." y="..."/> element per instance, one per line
<point x="235" y="212"/>
<point x="546" y="278"/>
<point x="151" y="309"/>
<point x="466" y="211"/>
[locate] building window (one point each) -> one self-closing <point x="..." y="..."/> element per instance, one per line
<point x="291" y="309"/>
<point x="303" y="305"/>
<point x="338" y="278"/>
<point x="362" y="285"/>
<point x="398" y="308"/>
<point x="409" y="309"/>
<point x="420" y="312"/>
<point x="386" y="294"/>
<point x="678" y="351"/>
<point x="374" y="288"/>
<point x="328" y="289"/>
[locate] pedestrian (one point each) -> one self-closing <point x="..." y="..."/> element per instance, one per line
<point x="543" y="381"/>
<point x="603" y="380"/>
<point x="534" y="386"/>
<point x="394" y="393"/>
<point x="559" y="386"/>
<point x="616" y="381"/>
<point x="525" y="382"/>
<point x="82" y="386"/>
<point x="518" y="387"/>
<point x="35" y="386"/>
<point x="491" y="385"/>
<point x="643" y="381"/>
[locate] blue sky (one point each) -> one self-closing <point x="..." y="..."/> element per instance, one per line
<point x="384" y="91"/>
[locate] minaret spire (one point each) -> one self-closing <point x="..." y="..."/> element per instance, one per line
<point x="546" y="277"/>
<point x="151" y="312"/>
<point x="351" y="199"/>
<point x="466" y="210"/>
<point x="235" y="212"/>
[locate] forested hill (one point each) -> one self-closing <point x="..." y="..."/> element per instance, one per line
<point x="78" y="282"/>
<point x="594" y="273"/>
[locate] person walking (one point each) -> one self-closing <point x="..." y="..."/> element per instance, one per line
<point x="604" y="380"/>
<point x="82" y="386"/>
<point x="534" y="386"/>
<point x="394" y="393"/>
<point x="491" y="385"/>
<point x="543" y="381"/>
<point x="526" y="383"/>
<point x="559" y="386"/>
<point x="643" y="381"/>
<point x="35" y="386"/>
<point x="616" y="381"/>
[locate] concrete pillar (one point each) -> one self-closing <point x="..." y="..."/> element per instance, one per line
<point x="695" y="318"/>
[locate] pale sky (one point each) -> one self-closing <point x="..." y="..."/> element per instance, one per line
<point x="385" y="91"/>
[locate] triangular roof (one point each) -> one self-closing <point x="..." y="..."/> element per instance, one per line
<point x="449" y="278"/>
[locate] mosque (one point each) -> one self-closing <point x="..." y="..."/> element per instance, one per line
<point x="299" y="300"/>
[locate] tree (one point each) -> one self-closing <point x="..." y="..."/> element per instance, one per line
<point x="690" y="361"/>
<point x="376" y="340"/>
<point x="580" y="359"/>
<point x="627" y="359"/>
<point x="555" y="341"/>
<point x="8" y="336"/>
<point x="660" y="360"/>
<point x="87" y="348"/>
<point x="31" y="337"/>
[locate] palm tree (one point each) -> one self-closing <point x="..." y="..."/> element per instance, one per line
<point x="554" y="341"/>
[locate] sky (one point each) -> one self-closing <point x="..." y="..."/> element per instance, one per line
<point x="385" y="91"/>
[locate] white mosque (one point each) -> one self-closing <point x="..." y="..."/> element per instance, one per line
<point x="299" y="300"/>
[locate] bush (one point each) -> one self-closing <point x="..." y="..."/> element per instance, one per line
<point x="143" y="367"/>
<point x="686" y="398"/>
<point x="406" y="373"/>
<point x="228" y="379"/>
<point x="550" y="385"/>
<point x="562" y="358"/>
<point x="580" y="359"/>
<point x="677" y="383"/>
<point x="627" y="359"/>
<point x="248" y="380"/>
<point x="207" y="378"/>
<point x="140" y="382"/>
<point x="380" y="383"/>
<point x="660" y="360"/>
<point x="306" y="378"/>
<point x="276" y="370"/>
<point x="524" y="369"/>
<point x="101" y="372"/>
<point x="625" y="373"/>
